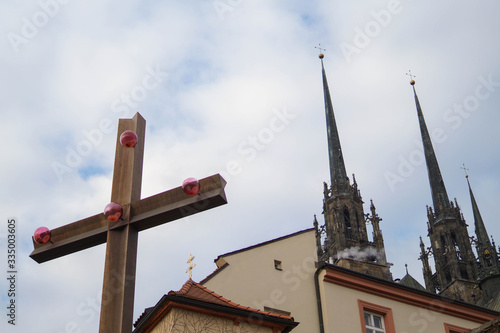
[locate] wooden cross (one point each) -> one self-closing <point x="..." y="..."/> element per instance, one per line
<point x="121" y="236"/>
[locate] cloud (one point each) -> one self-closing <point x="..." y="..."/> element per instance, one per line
<point x="224" y="79"/>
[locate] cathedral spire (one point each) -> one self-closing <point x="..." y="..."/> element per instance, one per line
<point x="338" y="173"/>
<point x="482" y="235"/>
<point x="456" y="271"/>
<point x="345" y="221"/>
<point x="486" y="252"/>
<point x="439" y="195"/>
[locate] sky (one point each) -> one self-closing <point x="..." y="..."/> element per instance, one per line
<point x="234" y="87"/>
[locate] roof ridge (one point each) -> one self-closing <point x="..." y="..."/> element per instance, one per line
<point x="214" y="273"/>
<point x="264" y="243"/>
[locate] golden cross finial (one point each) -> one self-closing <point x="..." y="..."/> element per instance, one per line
<point x="191" y="266"/>
<point x="465" y="170"/>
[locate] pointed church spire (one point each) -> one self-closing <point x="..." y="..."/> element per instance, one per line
<point x="439" y="195"/>
<point x="456" y="271"/>
<point x="486" y="252"/>
<point x="338" y="173"/>
<point x="482" y="235"/>
<point x="345" y="220"/>
<point x="424" y="256"/>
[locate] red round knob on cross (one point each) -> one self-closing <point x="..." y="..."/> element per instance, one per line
<point x="128" y="139"/>
<point x="42" y="235"/>
<point x="113" y="211"/>
<point x="191" y="186"/>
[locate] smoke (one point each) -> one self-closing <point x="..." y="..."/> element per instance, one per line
<point x="357" y="253"/>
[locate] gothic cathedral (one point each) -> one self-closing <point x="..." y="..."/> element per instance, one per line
<point x="343" y="239"/>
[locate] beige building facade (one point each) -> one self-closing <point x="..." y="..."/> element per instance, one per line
<point x="347" y="296"/>
<point x="282" y="276"/>
<point x="273" y="276"/>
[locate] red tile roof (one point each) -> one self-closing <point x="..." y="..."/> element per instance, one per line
<point x="194" y="290"/>
<point x="195" y="296"/>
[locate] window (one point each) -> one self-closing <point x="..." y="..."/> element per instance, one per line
<point x="374" y="323"/>
<point x="347" y="223"/>
<point x="277" y="265"/>
<point x="375" y="318"/>
<point x="455" y="244"/>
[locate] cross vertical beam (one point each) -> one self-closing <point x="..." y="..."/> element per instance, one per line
<point x="117" y="303"/>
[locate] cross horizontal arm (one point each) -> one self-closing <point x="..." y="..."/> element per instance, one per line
<point x="175" y="204"/>
<point x="72" y="237"/>
<point x="146" y="213"/>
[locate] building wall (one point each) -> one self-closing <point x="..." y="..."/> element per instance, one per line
<point x="184" y="321"/>
<point x="343" y="309"/>
<point x="251" y="279"/>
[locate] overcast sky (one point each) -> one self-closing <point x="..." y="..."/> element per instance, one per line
<point x="234" y="87"/>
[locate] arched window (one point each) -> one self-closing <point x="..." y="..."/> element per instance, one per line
<point x="444" y="249"/>
<point x="455" y="245"/>
<point x="347" y="223"/>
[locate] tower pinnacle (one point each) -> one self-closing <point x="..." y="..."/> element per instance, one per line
<point x="338" y="173"/>
<point x="438" y="190"/>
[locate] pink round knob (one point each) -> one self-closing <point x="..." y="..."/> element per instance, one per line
<point x="42" y="235"/>
<point x="191" y="186"/>
<point x="113" y="211"/>
<point x="128" y="139"/>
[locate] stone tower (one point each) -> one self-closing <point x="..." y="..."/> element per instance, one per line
<point x="346" y="242"/>
<point x="456" y="270"/>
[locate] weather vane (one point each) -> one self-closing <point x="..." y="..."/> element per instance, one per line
<point x="412" y="82"/>
<point x="410" y="74"/>
<point x="191" y="265"/>
<point x="320" y="48"/>
<point x="465" y="170"/>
